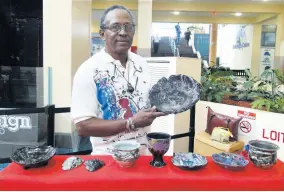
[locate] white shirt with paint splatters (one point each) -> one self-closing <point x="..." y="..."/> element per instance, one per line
<point x="100" y="90"/>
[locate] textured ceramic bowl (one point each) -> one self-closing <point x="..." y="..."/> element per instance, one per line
<point x="175" y="94"/>
<point x="158" y="144"/>
<point x="125" y="153"/>
<point x="262" y="153"/>
<point x="34" y="156"/>
<point x="230" y="160"/>
<point x="189" y="161"/>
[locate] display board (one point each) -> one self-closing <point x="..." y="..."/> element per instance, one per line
<point x="234" y="46"/>
<point x="266" y="59"/>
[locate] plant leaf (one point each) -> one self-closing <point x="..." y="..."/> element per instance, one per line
<point x="209" y="97"/>
<point x="253" y="95"/>
<point x="218" y="98"/>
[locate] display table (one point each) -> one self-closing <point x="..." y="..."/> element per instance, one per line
<point x="140" y="177"/>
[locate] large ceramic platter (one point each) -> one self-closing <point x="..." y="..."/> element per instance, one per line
<point x="230" y="160"/>
<point x="175" y="95"/>
<point x="34" y="156"/>
<point x="189" y="161"/>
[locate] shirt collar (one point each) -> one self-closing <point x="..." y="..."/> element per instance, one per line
<point x="109" y="59"/>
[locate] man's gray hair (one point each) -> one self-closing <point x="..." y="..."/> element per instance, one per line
<point x="102" y="24"/>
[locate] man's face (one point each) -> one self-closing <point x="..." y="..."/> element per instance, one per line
<point x="118" y="42"/>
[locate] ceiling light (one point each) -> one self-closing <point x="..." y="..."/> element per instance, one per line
<point x="238" y="14"/>
<point x="176" y="13"/>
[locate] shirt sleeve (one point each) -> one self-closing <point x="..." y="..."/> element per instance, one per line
<point x="84" y="100"/>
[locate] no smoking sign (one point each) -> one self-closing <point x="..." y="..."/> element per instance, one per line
<point x="245" y="126"/>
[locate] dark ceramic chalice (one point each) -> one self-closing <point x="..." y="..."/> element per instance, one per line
<point x="158" y="144"/>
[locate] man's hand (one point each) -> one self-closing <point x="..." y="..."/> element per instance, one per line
<point x="146" y="117"/>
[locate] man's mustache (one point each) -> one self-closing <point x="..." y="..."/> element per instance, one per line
<point x="123" y="40"/>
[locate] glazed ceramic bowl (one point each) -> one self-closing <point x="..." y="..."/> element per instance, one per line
<point x="175" y="94"/>
<point x="262" y="153"/>
<point x="34" y="156"/>
<point x="189" y="161"/>
<point x="230" y="160"/>
<point x="158" y="144"/>
<point x="125" y="153"/>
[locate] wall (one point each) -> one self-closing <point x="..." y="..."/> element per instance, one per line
<point x="279" y="51"/>
<point x="270" y="22"/>
<point x="256" y="46"/>
<point x="235" y="46"/>
<point x="67" y="27"/>
<point x="255" y="62"/>
<point x="81" y="32"/>
<point x="57" y="42"/>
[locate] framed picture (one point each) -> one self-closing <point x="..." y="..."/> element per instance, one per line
<point x="268" y="39"/>
<point x="97" y="43"/>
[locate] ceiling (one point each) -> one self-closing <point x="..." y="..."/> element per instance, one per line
<point x="206" y="1"/>
<point x="202" y="14"/>
<point x="225" y="1"/>
<point x="98" y="13"/>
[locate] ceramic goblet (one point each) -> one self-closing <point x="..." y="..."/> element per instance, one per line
<point x="158" y="144"/>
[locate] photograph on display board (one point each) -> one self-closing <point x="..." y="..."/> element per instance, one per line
<point x="268" y="39"/>
<point x="267" y="59"/>
<point x="97" y="43"/>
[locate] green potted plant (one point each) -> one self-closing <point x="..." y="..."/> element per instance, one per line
<point x="272" y="83"/>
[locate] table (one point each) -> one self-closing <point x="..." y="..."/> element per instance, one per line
<point x="140" y="177"/>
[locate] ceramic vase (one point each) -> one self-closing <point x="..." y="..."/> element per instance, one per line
<point x="158" y="144"/>
<point x="263" y="153"/>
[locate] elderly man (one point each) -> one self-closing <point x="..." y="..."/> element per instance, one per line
<point x="110" y="90"/>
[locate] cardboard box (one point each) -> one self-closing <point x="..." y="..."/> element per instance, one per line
<point x="203" y="145"/>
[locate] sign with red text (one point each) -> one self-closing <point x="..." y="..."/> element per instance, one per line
<point x="273" y="135"/>
<point x="247" y="115"/>
<point x="247" y="124"/>
<point x="270" y="128"/>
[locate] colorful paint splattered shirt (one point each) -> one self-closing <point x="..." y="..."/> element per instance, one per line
<point x="100" y="90"/>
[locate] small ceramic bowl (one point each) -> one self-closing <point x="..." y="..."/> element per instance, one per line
<point x="189" y="161"/>
<point x="125" y="153"/>
<point x="230" y="160"/>
<point x="33" y="156"/>
<point x="263" y="154"/>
